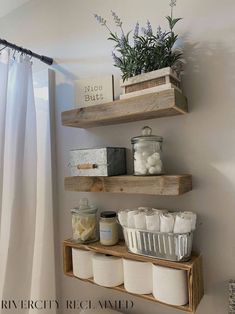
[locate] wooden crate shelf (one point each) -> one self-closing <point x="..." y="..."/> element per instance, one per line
<point x="169" y="185"/>
<point x="155" y="105"/>
<point x="193" y="268"/>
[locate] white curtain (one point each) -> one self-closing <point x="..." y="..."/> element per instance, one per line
<point x="26" y="256"/>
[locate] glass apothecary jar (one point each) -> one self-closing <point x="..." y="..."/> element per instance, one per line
<point x="84" y="222"/>
<point x="147" y="153"/>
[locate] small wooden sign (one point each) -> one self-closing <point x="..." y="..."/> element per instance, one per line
<point x="94" y="91"/>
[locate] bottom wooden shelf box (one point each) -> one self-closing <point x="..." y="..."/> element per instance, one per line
<point x="192" y="268"/>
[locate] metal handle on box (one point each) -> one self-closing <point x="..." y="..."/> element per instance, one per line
<point x="87" y="166"/>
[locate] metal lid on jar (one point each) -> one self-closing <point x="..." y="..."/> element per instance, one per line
<point x="146" y="136"/>
<point x="108" y="214"/>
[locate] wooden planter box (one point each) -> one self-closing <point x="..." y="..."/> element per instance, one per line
<point x="150" y="82"/>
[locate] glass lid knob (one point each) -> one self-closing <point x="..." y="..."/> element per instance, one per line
<point x="146" y="131"/>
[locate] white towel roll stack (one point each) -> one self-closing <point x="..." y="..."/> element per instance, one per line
<point x="122" y="217"/>
<point x="193" y="218"/>
<point x="167" y="221"/>
<point x="140" y="221"/>
<point x="130" y="218"/>
<point x="153" y="222"/>
<point x="183" y="224"/>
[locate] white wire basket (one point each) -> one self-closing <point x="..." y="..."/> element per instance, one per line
<point x="167" y="246"/>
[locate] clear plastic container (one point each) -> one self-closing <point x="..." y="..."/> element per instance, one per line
<point x="147" y="153"/>
<point x="84" y="223"/>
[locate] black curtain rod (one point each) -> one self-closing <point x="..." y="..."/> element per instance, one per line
<point x="44" y="59"/>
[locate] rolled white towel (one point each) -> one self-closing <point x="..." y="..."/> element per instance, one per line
<point x="193" y="218"/>
<point x="167" y="222"/>
<point x="122" y="217"/>
<point x="130" y="218"/>
<point x="144" y="209"/>
<point x="153" y="222"/>
<point x="183" y="223"/>
<point x="140" y="221"/>
<point x="159" y="211"/>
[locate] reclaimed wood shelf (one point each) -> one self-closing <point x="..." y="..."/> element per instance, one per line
<point x="193" y="268"/>
<point x="149" y="106"/>
<point x="168" y="185"/>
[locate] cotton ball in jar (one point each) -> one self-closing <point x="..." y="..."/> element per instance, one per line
<point x="141" y="171"/>
<point x="156" y="155"/>
<point x="153" y="159"/>
<point x="158" y="163"/>
<point x="140" y="167"/>
<point x="146" y="154"/>
<point x="137" y="155"/>
<point x="155" y="170"/>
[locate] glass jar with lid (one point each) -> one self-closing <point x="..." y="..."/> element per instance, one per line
<point x="84" y="222"/>
<point x="147" y="153"/>
<point x="108" y="228"/>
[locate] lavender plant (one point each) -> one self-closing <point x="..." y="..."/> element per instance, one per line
<point x="146" y="51"/>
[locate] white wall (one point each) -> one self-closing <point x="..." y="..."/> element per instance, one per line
<point x="201" y="143"/>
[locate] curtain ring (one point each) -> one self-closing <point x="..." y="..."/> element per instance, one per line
<point x="31" y="54"/>
<point x="14" y="53"/>
<point x="21" y="50"/>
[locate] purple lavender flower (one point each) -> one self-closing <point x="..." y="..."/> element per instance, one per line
<point x="144" y="31"/>
<point x="116" y="59"/>
<point x="173" y="3"/>
<point x="99" y="19"/>
<point x="147" y="31"/>
<point x="116" y="18"/>
<point x="159" y="31"/>
<point x="160" y="35"/>
<point x="136" y="33"/>
<point x="149" y="28"/>
<point x="122" y="41"/>
<point x="136" y="30"/>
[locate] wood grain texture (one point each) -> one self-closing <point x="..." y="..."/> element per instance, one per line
<point x="155" y="105"/>
<point x="146" y="84"/>
<point x="169" y="185"/>
<point x="197" y="290"/>
<point x="120" y="250"/>
<point x="193" y="268"/>
<point x="121" y="288"/>
<point x="149" y="76"/>
<point x="150" y="90"/>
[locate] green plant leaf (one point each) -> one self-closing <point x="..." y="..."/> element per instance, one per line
<point x="172" y="21"/>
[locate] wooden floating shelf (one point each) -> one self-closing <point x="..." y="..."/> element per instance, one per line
<point x="193" y="268"/>
<point x="149" y="106"/>
<point x="169" y="185"/>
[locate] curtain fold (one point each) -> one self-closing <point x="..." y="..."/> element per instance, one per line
<point x="4" y="64"/>
<point x="19" y="197"/>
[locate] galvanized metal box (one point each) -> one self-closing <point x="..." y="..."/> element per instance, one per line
<point x="108" y="161"/>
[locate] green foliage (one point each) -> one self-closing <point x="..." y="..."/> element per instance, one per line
<point x="146" y="52"/>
